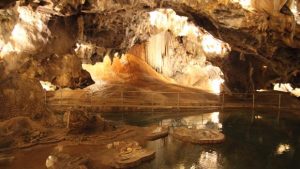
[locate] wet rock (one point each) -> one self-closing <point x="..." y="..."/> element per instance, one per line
<point x="157" y="133"/>
<point x="199" y="136"/>
<point x="129" y="154"/>
<point x="20" y="132"/>
<point x="22" y="96"/>
<point x="5" y="159"/>
<point x="72" y="76"/>
<point x="82" y="122"/>
<point x="6" y="141"/>
<point x="66" y="161"/>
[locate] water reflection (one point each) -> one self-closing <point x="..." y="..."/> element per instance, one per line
<point x="208" y="160"/>
<point x="282" y="148"/>
<point x="208" y="120"/>
<point x="247" y="144"/>
<point x="258" y="117"/>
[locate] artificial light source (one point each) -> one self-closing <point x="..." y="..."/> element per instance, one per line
<point x="282" y="148"/>
<point x="261" y="90"/>
<point x="258" y="117"/>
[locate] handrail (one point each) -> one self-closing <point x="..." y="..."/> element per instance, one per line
<point x="125" y="99"/>
<point x="174" y="92"/>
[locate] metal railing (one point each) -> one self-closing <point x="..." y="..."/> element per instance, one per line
<point x="147" y="99"/>
<point x="13" y="102"/>
<point x="157" y="99"/>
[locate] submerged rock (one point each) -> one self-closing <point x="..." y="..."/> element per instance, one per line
<point x="65" y="161"/>
<point x="199" y="136"/>
<point x="23" y="132"/>
<point x="80" y="122"/>
<point x="5" y="159"/>
<point x="20" y="131"/>
<point x="129" y="154"/>
<point x="158" y="132"/>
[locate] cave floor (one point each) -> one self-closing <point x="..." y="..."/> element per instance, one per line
<point x="258" y="133"/>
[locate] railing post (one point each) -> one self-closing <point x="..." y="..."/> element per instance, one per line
<point x="252" y="116"/>
<point x="152" y="102"/>
<point x="178" y="97"/>
<point x="278" y="116"/>
<point x="88" y="98"/>
<point x="279" y="101"/>
<point x="223" y="100"/>
<point x="15" y="97"/>
<point x="61" y="97"/>
<point x="45" y="96"/>
<point x="253" y="100"/>
<point x="91" y="99"/>
<point x="122" y="96"/>
<point x="87" y="101"/>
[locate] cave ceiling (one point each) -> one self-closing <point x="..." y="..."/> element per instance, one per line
<point x="38" y="39"/>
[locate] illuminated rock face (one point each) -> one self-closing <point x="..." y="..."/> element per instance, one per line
<point x="28" y="35"/>
<point x="180" y="51"/>
<point x="172" y="44"/>
<point x="246" y="32"/>
<point x="286" y="87"/>
<point x="187" y="65"/>
<point x="42" y="40"/>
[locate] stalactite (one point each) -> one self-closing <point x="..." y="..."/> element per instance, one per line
<point x="156" y="49"/>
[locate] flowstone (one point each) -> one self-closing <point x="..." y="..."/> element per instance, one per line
<point x="157" y="133"/>
<point x="198" y="136"/>
<point x="129" y="154"/>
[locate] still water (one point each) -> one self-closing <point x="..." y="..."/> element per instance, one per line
<point x="254" y="140"/>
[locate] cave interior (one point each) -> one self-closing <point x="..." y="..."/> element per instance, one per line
<point x="81" y="76"/>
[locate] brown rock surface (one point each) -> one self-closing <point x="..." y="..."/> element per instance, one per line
<point x="129" y="154"/>
<point x="198" y="136"/>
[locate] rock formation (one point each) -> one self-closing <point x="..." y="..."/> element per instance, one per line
<point x="248" y="44"/>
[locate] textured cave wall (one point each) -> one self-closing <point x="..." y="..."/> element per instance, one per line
<point x="250" y="72"/>
<point x="246" y="73"/>
<point x="20" y="93"/>
<point x="180" y="59"/>
<point x="258" y="34"/>
<point x="59" y="64"/>
<point x="65" y="71"/>
<point x="38" y="41"/>
<point x="169" y="47"/>
<point x="120" y="32"/>
<point x="44" y="47"/>
<point x="33" y="47"/>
